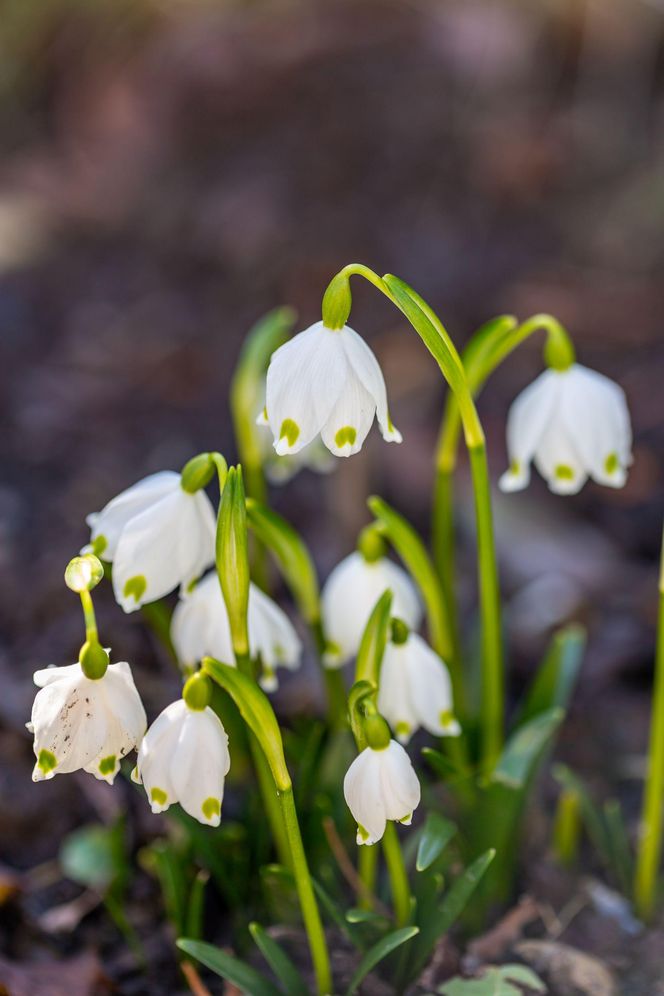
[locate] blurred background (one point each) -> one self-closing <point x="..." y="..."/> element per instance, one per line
<point x="170" y="171"/>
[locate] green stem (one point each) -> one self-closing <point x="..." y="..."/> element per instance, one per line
<point x="367" y="868"/>
<point x="567" y="828"/>
<point x="398" y="876"/>
<point x="89" y="617"/>
<point x="650" y="843"/>
<point x="437" y="340"/>
<point x="335" y="689"/>
<point x="493" y="676"/>
<point x="481" y="358"/>
<point x="310" y="913"/>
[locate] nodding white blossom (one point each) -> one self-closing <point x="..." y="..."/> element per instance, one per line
<point x="415" y="690"/>
<point x="200" y="628"/>
<point x="381" y="785"/>
<point x="184" y="758"/>
<point x="349" y="596"/>
<point x="326" y="381"/>
<point x="281" y="469"/>
<point x="80" y="722"/>
<point x="573" y="424"/>
<point x="157" y="535"/>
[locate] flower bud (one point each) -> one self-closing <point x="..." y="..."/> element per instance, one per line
<point x="233" y="559"/>
<point x="83" y="573"/>
<point x="93" y="660"/>
<point x="337" y="302"/>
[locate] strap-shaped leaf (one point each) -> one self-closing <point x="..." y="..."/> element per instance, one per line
<point x="413" y="553"/>
<point x="246" y="978"/>
<point x="375" y="954"/>
<point x="436" y="835"/>
<point x="450" y="909"/>
<point x="258" y="714"/>
<point x="556" y="676"/>
<point x="374" y="641"/>
<point x="524" y="747"/>
<point x="279" y="962"/>
<point x="291" y="554"/>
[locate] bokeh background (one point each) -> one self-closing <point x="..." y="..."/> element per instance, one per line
<point x="170" y="171"/>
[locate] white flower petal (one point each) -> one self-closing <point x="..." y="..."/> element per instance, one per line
<point x="350" y="420"/>
<point x="594" y="412"/>
<point x="363" y="794"/>
<point x="349" y="596"/>
<point x="400" y="785"/>
<point x="366" y="367"/>
<point x="200" y="625"/>
<point x="304" y="381"/>
<point x="200" y="764"/>
<point x="527" y="421"/>
<point x="167" y="545"/>
<point x="112" y="519"/>
<point x="70" y="725"/>
<point x="430" y="688"/>
<point x="271" y="633"/>
<point x="394" y="700"/>
<point x="558" y="460"/>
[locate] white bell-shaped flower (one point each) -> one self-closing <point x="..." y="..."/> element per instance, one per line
<point x="282" y="469"/>
<point x="350" y="595"/>
<point x="157" y="535"/>
<point x="184" y="758"/>
<point x="326" y="381"/>
<point x="200" y="628"/>
<point x="80" y="722"/>
<point x="381" y="785"/>
<point x="415" y="688"/>
<point x="573" y="424"/>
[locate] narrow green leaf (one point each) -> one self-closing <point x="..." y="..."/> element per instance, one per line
<point x="365" y="916"/>
<point x="413" y="553"/>
<point x="377" y="953"/>
<point x="556" y="676"/>
<point x="524" y="747"/>
<point x="618" y="839"/>
<point x="292" y="556"/>
<point x="500" y="980"/>
<point x="257" y="712"/>
<point x="374" y="641"/>
<point x="452" y="906"/>
<point x="194" y="918"/>
<point x="438" y="832"/>
<point x="172" y="878"/>
<point x="279" y="962"/>
<point x="593" y="819"/>
<point x="335" y="914"/>
<point x="246" y="978"/>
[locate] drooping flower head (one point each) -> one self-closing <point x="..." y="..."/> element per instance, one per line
<point x="349" y="596"/>
<point x="200" y="628"/>
<point x="184" y="758"/>
<point x="381" y="785"/>
<point x="415" y="688"/>
<point x="573" y="424"/>
<point x="157" y="536"/>
<point x="326" y="381"/>
<point x="80" y="722"/>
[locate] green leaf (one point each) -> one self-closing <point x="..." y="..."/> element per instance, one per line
<point x="194" y="917"/>
<point x="377" y="953"/>
<point x="279" y="962"/>
<point x="502" y="980"/>
<point x="413" y="553"/>
<point x="257" y="712"/>
<point x="292" y="556"/>
<point x="232" y="558"/>
<point x="438" y="832"/>
<point x="374" y="641"/>
<point x="167" y="865"/>
<point x="619" y="846"/>
<point x="246" y="978"/>
<point x="556" y="676"/>
<point x="94" y="856"/>
<point x="593" y="819"/>
<point x="452" y="906"/>
<point x="524" y="748"/>
<point x="335" y="914"/>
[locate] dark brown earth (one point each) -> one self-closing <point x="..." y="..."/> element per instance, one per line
<point x="170" y="172"/>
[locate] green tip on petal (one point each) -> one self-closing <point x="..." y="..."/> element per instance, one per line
<point x="99" y="545"/>
<point x="211" y="808"/>
<point x="290" y="431"/>
<point x="158" y="796"/>
<point x="515" y="467"/>
<point x="46" y="761"/>
<point x="135" y="587"/>
<point x="612" y="463"/>
<point x="107" y="765"/>
<point x="402" y="730"/>
<point x="362" y="834"/>
<point x="345" y="436"/>
<point x="564" y="472"/>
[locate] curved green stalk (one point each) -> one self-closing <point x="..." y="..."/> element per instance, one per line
<point x="487" y="349"/>
<point x="437" y="340"/>
<point x="396" y="869"/>
<point x="650" y="842"/>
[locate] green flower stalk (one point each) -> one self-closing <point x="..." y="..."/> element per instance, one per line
<point x="437" y="340"/>
<point x="259" y="716"/>
<point x="650" y="842"/>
